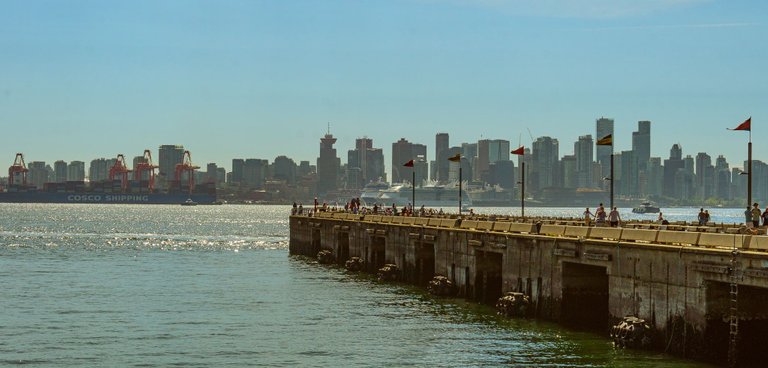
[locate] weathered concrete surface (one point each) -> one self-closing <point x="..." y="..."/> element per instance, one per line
<point x="584" y="278"/>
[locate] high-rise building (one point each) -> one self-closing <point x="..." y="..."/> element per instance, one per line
<point x="654" y="177"/>
<point x="169" y="156"/>
<point x="38" y="174"/>
<point x="671" y="166"/>
<point x="722" y="179"/>
<point x="255" y="173"/>
<point x="502" y="173"/>
<point x="76" y="171"/>
<point x="470" y="152"/>
<point x="604" y="126"/>
<point x="441" y="157"/>
<point x="236" y="176"/>
<point x="544" y="168"/>
<point x="211" y="173"/>
<point x="99" y="170"/>
<point x="284" y="168"/>
<point x="628" y="178"/>
<point x="583" y="149"/>
<point x="570" y="176"/>
<point x="488" y="152"/>
<point x="402" y="152"/>
<point x="366" y="163"/>
<point x="60" y="171"/>
<point x="328" y="165"/>
<point x="641" y="144"/>
<point x="704" y="178"/>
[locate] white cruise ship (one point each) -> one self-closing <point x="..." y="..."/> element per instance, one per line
<point x="429" y="196"/>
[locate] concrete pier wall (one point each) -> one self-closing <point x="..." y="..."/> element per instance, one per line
<point x="586" y="277"/>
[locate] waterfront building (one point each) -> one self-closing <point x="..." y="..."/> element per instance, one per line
<point x="738" y="183"/>
<point x="469" y="151"/>
<point x="654" y="177"/>
<point x="629" y="177"/>
<point x="60" y="171"/>
<point x="76" y="171"/>
<point x="328" y="165"/>
<point x="305" y="168"/>
<point x="759" y="181"/>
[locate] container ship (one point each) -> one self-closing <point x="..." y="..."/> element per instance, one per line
<point x="140" y="189"/>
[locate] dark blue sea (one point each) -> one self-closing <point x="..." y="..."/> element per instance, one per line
<point x="213" y="286"/>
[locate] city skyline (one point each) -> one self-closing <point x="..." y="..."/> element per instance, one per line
<point x="86" y="79"/>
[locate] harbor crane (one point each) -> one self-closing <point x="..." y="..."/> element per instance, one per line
<point x="119" y="169"/>
<point x="146" y="166"/>
<point x="18" y="168"/>
<point x="186" y="166"/>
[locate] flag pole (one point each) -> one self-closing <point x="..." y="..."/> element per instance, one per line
<point x="459" y="188"/>
<point x="611" y="178"/>
<point x="413" y="186"/>
<point x="522" y="192"/>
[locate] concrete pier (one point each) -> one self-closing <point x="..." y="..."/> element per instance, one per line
<point x="679" y="279"/>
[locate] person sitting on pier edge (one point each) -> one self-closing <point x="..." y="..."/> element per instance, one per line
<point x="600" y="216"/>
<point x="614" y="217"/>
<point x="587" y="216"/>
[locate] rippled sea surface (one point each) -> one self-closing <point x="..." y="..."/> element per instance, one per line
<point x="211" y="286"/>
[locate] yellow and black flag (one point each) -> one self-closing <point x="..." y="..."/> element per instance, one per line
<point x="606" y="141"/>
<point x="455" y="158"/>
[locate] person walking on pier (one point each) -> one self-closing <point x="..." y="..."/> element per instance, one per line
<point x="587" y="217"/>
<point x="600" y="216"/>
<point x="614" y="217"/>
<point x="702" y="217"/>
<point x="748" y="217"/>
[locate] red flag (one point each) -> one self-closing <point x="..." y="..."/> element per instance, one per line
<point x="746" y="125"/>
<point x="409" y="164"/>
<point x="519" y="151"/>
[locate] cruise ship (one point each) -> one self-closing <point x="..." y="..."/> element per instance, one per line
<point x="429" y="196"/>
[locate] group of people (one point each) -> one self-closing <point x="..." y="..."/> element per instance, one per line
<point x="754" y="216"/>
<point x="614" y="219"/>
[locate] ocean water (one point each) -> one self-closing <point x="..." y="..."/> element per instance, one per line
<point x="212" y="286"/>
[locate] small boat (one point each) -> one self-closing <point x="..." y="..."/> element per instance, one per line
<point x="646" y="207"/>
<point x="189" y="202"/>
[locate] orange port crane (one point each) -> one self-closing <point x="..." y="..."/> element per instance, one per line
<point x="186" y="166"/>
<point x="120" y="169"/>
<point x="146" y="166"/>
<point x="18" y="167"/>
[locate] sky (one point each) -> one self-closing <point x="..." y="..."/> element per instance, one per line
<point x="85" y="79"/>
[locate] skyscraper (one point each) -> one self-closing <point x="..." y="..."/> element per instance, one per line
<point x="404" y="151"/>
<point x="441" y="157"/>
<point x="236" y="176"/>
<point x="328" y="165"/>
<point x="671" y="166"/>
<point x="76" y="171"/>
<point x="366" y="162"/>
<point x="604" y="127"/>
<point x="169" y="156"/>
<point x="490" y="151"/>
<point x="544" y="166"/>
<point x="641" y="144"/>
<point x="60" y="170"/>
<point x="583" y="149"/>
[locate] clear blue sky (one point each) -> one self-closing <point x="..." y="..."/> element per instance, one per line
<point x="257" y="79"/>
